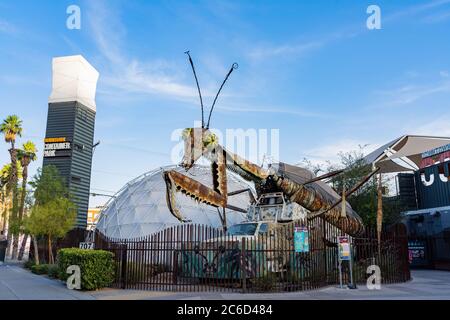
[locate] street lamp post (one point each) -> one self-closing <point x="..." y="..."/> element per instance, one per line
<point x="91" y="234"/>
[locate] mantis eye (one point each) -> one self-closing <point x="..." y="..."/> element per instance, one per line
<point x="210" y="140"/>
<point x="186" y="133"/>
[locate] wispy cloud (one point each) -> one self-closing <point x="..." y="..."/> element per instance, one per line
<point x="436" y="18"/>
<point x="127" y="73"/>
<point x="295" y="111"/>
<point x="6" y="27"/>
<point x="297" y="49"/>
<point x="410" y="93"/>
<point x="20" y="79"/>
<point x="328" y="154"/>
<point x="417" y="9"/>
<point x="438" y="127"/>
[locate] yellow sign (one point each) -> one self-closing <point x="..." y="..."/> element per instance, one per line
<point x="52" y="140"/>
<point x="92" y="217"/>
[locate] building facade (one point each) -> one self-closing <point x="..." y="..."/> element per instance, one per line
<point x="69" y="137"/>
<point x="429" y="225"/>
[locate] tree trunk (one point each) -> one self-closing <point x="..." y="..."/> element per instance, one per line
<point x="5" y="218"/>
<point x="379" y="212"/>
<point x="50" y="251"/>
<point x="13" y="222"/>
<point x="15" y="246"/>
<point x="5" y="209"/>
<point x="9" y="241"/>
<point x="22" y="247"/>
<point x="36" y="250"/>
<point x="25" y="164"/>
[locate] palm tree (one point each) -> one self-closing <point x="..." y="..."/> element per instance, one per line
<point x="5" y="190"/>
<point x="5" y="194"/>
<point x="11" y="128"/>
<point x="26" y="155"/>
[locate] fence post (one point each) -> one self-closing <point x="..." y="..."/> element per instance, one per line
<point x="175" y="267"/>
<point x="324" y="248"/>
<point x="124" y="265"/>
<point x="242" y="267"/>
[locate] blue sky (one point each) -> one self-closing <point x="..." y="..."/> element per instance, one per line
<point x="311" y="69"/>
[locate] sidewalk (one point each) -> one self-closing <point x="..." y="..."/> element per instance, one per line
<point x="18" y="283"/>
<point x="425" y="285"/>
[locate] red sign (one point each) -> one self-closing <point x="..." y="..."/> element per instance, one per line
<point x="429" y="161"/>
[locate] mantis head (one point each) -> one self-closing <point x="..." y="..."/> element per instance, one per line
<point x="197" y="142"/>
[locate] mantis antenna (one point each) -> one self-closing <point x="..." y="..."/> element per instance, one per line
<point x="234" y="66"/>
<point x="198" y="86"/>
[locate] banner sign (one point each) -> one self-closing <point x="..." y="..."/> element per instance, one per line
<point x="301" y="239"/>
<point x="436" y="151"/>
<point x="439" y="158"/>
<point x="57" y="147"/>
<point x="344" y="248"/>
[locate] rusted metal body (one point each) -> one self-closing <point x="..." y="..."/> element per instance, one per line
<point x="318" y="198"/>
<point x="201" y="142"/>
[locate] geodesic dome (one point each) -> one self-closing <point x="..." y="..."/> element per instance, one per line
<point x="140" y="207"/>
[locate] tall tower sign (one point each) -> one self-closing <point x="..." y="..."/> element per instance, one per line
<point x="70" y="127"/>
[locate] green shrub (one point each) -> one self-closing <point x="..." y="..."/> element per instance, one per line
<point x="29" y="264"/>
<point x="137" y="272"/>
<point x="53" y="271"/>
<point x="266" y="282"/>
<point x="96" y="266"/>
<point x="134" y="273"/>
<point x="39" y="268"/>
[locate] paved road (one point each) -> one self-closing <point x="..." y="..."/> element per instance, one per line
<point x="18" y="283"/>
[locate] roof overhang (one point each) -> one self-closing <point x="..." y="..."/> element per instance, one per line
<point x="404" y="153"/>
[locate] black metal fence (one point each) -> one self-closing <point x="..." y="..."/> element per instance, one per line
<point x="201" y="258"/>
<point x="71" y="239"/>
<point x="430" y="251"/>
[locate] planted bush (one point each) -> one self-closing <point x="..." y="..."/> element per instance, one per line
<point x="136" y="272"/>
<point x="39" y="268"/>
<point x="96" y="266"/>
<point x="53" y="271"/>
<point x="266" y="282"/>
<point x="29" y="264"/>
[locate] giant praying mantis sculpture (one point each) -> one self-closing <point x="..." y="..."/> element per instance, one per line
<point x="200" y="142"/>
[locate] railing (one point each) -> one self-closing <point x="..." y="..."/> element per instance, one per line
<point x="431" y="251"/>
<point x="201" y="258"/>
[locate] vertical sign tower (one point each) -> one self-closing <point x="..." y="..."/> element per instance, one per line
<point x="70" y="127"/>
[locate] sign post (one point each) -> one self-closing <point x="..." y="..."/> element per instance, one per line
<point x="345" y="254"/>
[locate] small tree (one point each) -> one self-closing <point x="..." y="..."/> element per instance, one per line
<point x="364" y="200"/>
<point x="52" y="219"/>
<point x="25" y="155"/>
<point x="11" y="127"/>
<point x="48" y="185"/>
<point x="6" y="196"/>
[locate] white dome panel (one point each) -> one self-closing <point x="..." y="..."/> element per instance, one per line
<point x="140" y="207"/>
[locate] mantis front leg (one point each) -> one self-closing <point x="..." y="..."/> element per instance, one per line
<point x="215" y="196"/>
